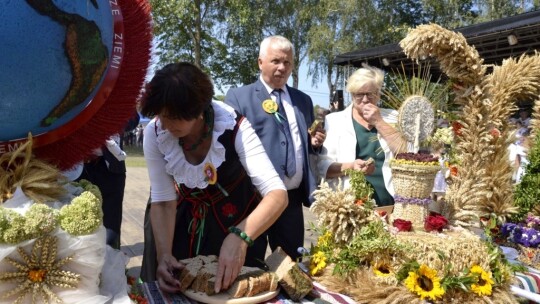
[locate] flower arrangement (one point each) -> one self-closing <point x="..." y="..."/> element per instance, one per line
<point x="83" y="216"/>
<point x="358" y="254"/>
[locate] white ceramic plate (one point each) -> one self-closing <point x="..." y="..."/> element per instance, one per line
<point x="225" y="298"/>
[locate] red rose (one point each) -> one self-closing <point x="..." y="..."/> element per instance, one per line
<point x="456" y="127"/>
<point x="435" y="222"/>
<point x="402" y="225"/>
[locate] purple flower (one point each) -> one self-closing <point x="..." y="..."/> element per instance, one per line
<point x="412" y="200"/>
<point x="528" y="237"/>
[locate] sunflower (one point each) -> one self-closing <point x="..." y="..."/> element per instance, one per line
<point x="425" y="283"/>
<point x="382" y="269"/>
<point x="485" y="282"/>
<point x="317" y="263"/>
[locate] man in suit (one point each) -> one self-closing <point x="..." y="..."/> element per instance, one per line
<point x="282" y="125"/>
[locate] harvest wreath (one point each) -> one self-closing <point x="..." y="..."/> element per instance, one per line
<point x="359" y="254"/>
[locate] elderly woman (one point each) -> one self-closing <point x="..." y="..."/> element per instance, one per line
<point x="360" y="132"/>
<point x="214" y="190"/>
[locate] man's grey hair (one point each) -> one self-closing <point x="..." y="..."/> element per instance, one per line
<point x="278" y="42"/>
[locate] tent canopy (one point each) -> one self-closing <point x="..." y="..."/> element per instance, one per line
<point x="491" y="40"/>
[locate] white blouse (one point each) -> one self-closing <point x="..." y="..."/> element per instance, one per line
<point x="167" y="164"/>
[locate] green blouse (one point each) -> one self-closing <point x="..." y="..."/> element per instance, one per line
<point x="367" y="145"/>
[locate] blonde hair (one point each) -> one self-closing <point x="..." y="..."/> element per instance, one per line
<point x="278" y="42"/>
<point x="365" y="74"/>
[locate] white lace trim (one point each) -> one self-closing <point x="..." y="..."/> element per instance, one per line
<point x="192" y="176"/>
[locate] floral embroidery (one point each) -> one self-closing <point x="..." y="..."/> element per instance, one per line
<point x="229" y="210"/>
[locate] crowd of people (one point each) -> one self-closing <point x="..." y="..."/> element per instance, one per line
<point x="230" y="178"/>
<point x="519" y="149"/>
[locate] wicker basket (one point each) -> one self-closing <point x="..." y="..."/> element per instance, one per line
<point x="412" y="180"/>
<point x="414" y="213"/>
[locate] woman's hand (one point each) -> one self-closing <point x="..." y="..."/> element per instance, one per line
<point x="371" y="114"/>
<point x="368" y="167"/>
<point x="231" y="259"/>
<point x="167" y="266"/>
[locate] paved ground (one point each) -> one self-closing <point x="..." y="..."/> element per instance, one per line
<point x="135" y="198"/>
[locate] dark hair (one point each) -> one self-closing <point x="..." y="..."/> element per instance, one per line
<point x="179" y="90"/>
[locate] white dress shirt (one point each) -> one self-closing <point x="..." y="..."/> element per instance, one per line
<point x="294" y="181"/>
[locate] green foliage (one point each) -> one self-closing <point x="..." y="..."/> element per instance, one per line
<point x="501" y="269"/>
<point x="403" y="272"/>
<point x="372" y="239"/>
<point x="223" y="37"/>
<point x="362" y="189"/>
<point x="527" y="193"/>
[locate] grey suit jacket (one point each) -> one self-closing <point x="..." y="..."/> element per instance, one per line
<point x="248" y="100"/>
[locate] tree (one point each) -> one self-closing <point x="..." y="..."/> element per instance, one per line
<point x="449" y="13"/>
<point x="189" y="30"/>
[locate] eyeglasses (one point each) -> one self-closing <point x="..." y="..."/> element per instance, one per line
<point x="360" y="96"/>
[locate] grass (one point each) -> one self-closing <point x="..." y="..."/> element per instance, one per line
<point x="135" y="156"/>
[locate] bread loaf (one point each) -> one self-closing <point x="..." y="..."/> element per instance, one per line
<point x="199" y="275"/>
<point x="205" y="273"/>
<point x="192" y="267"/>
<point x="292" y="279"/>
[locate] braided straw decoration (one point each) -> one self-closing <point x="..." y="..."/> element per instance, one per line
<point x="483" y="184"/>
<point x="413" y="181"/>
<point x="416" y="214"/>
<point x="38" y="180"/>
<point x="457" y="59"/>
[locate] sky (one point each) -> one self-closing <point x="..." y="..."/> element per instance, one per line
<point x="320" y="94"/>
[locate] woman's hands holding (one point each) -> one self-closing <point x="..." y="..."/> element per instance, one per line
<point x="231" y="259"/>
<point x="366" y="166"/>
<point x="167" y="266"/>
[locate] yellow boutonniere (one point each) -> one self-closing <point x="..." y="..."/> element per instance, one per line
<point x="270" y="106"/>
<point x="210" y="174"/>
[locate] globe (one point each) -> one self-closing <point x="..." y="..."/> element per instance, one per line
<point x="55" y="56"/>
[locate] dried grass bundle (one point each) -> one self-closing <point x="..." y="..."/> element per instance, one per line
<point x="337" y="212"/>
<point x="483" y="185"/>
<point x="38" y="180"/>
<point x="457" y="59"/>
<point x="460" y="249"/>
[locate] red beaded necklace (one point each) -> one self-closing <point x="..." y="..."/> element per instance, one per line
<point x="208" y="128"/>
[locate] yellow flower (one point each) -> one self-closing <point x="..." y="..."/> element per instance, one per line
<point x="485" y="282"/>
<point x="425" y="283"/>
<point x="324" y="240"/>
<point x="382" y="270"/>
<point x="317" y="263"/>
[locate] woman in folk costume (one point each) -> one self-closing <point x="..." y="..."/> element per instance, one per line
<point x="213" y="189"/>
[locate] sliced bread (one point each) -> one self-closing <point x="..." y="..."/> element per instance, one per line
<point x="188" y="274"/>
